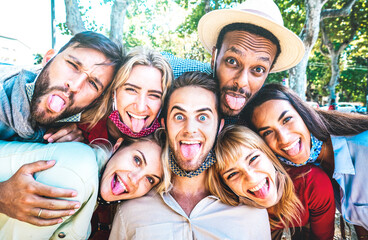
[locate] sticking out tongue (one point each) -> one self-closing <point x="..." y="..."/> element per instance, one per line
<point x="189" y="151"/>
<point x="56" y="103"/>
<point x="137" y="124"/>
<point x="235" y="103"/>
<point x="262" y="193"/>
<point x="117" y="188"/>
<point x="294" y="150"/>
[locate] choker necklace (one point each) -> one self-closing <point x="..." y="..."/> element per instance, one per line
<point x="314" y="152"/>
<point x="210" y="160"/>
<point x="124" y="129"/>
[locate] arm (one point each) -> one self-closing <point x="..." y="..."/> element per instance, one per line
<point x="22" y="197"/>
<point x="321" y="204"/>
<point x="67" y="133"/>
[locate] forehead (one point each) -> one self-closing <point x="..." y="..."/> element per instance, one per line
<point x="145" y="76"/>
<point x="87" y="56"/>
<point x="193" y="98"/>
<point x="244" y="40"/>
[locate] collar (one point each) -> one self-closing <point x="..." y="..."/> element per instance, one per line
<point x="30" y="89"/>
<point x="343" y="162"/>
<point x="210" y="160"/>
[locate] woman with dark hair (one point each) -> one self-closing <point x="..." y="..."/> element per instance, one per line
<point x="336" y="141"/>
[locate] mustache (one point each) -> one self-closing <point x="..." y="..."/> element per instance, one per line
<point x="237" y="90"/>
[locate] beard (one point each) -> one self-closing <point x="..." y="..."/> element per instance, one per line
<point x="185" y="164"/>
<point x="42" y="89"/>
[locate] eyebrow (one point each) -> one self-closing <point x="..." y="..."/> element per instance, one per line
<point x="145" y="163"/>
<point x="135" y="86"/>
<point x="238" y="52"/>
<point x="144" y="157"/>
<point x="246" y="158"/>
<point x="76" y="60"/>
<point x="198" y="110"/>
<point x="280" y="117"/>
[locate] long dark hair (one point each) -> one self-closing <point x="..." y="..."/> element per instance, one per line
<point x="320" y="123"/>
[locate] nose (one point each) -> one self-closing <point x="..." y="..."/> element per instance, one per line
<point x="242" y="80"/>
<point x="191" y="126"/>
<point x="135" y="177"/>
<point x="248" y="173"/>
<point x="141" y="103"/>
<point x="75" y="85"/>
<point x="282" y="136"/>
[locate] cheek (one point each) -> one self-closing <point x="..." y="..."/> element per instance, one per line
<point x="155" y="106"/>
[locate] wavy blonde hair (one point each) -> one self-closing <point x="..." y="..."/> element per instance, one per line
<point x="137" y="56"/>
<point x="228" y="149"/>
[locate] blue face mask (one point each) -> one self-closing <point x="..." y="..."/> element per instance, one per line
<point x="315" y="151"/>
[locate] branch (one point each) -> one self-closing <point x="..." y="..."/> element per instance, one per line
<point x="343" y="12"/>
<point x="325" y="40"/>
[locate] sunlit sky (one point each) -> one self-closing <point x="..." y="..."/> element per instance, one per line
<point x="30" y="21"/>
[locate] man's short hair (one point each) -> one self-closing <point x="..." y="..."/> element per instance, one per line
<point x="99" y="42"/>
<point x="194" y="79"/>
<point x="251" y="28"/>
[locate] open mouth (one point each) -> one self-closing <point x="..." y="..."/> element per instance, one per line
<point x="138" y="122"/>
<point x="117" y="186"/>
<point x="293" y="149"/>
<point x="261" y="190"/>
<point x="56" y="103"/>
<point x="235" y="101"/>
<point x="190" y="149"/>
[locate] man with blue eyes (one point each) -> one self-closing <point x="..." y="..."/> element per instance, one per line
<point x="185" y="209"/>
<point x="47" y="193"/>
<point x="247" y="43"/>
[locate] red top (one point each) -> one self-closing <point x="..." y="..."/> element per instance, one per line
<point x="98" y="131"/>
<point x="315" y="191"/>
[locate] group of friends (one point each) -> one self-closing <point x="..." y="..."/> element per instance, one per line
<point x="176" y="148"/>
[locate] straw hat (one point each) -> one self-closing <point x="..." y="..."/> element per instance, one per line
<point x="262" y="13"/>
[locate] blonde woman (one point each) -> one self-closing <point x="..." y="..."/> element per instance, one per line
<point x="134" y="99"/>
<point x="247" y="172"/>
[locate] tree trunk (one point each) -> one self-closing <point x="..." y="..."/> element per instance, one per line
<point x="117" y="17"/>
<point x="335" y="73"/>
<point x="309" y="35"/>
<point x="73" y="17"/>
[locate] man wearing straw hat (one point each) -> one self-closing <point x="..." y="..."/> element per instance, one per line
<point x="246" y="42"/>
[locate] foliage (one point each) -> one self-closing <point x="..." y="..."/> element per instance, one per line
<point x="37" y="58"/>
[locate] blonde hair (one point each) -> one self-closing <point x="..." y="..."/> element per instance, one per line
<point x="137" y="56"/>
<point x="228" y="149"/>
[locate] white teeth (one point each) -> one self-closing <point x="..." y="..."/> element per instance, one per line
<point x="121" y="183"/>
<point x="291" y="146"/>
<point x="136" y="116"/>
<point x="259" y="186"/>
<point x="190" y="142"/>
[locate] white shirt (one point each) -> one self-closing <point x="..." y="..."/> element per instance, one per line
<point x="159" y="216"/>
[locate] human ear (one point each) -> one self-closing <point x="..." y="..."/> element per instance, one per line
<point x="49" y="54"/>
<point x="117" y="144"/>
<point x="222" y="123"/>
<point x="214" y="57"/>
<point x="163" y="123"/>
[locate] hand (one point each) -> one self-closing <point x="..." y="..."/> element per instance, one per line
<point x="22" y="197"/>
<point x="67" y="133"/>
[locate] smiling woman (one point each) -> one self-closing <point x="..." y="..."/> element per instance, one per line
<point x="247" y="172"/>
<point x="133" y="170"/>
<point x="299" y="134"/>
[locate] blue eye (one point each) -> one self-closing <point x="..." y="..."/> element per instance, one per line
<point x="202" y="118"/>
<point x="151" y="180"/>
<point x="137" y="160"/>
<point x="179" y="117"/>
